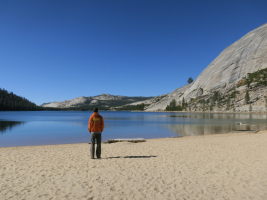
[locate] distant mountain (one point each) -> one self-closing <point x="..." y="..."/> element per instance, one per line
<point x="103" y="101"/>
<point x="235" y="81"/>
<point x="11" y="101"/>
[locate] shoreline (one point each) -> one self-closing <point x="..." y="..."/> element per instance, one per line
<point x="212" y="112"/>
<point x="218" y="166"/>
<point x="149" y="139"/>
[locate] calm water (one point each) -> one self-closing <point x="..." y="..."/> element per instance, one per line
<point x="53" y="127"/>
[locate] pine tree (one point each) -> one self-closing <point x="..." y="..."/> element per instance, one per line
<point x="247" y="97"/>
<point x="10" y="101"/>
<point x="190" y="80"/>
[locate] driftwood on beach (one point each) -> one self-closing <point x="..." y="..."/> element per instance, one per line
<point x="134" y="140"/>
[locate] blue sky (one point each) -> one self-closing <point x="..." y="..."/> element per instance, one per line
<point x="53" y="50"/>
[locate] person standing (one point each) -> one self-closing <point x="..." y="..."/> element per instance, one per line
<point x="96" y="127"/>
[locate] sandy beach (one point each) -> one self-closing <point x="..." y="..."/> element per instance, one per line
<point x="227" y="166"/>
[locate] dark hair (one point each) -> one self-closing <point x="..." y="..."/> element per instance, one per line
<point x="95" y="109"/>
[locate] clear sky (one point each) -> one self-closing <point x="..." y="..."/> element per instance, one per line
<point x="53" y="50"/>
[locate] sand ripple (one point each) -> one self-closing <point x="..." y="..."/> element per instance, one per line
<point x="205" y="167"/>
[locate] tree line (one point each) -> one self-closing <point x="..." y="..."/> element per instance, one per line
<point x="11" y="101"/>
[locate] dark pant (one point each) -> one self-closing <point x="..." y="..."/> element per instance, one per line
<point x="96" y="139"/>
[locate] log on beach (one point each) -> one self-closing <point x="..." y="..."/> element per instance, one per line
<point x="219" y="166"/>
<point x="134" y="140"/>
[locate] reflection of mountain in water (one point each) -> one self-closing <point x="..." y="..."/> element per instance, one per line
<point x="189" y="124"/>
<point x="235" y="116"/>
<point x="205" y="129"/>
<point x="7" y="125"/>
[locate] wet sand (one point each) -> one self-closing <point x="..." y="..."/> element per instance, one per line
<point x="226" y="166"/>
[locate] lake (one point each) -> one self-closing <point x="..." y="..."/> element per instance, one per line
<point x="60" y="127"/>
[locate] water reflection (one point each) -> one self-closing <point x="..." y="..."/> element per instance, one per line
<point x="189" y="124"/>
<point x="8" y="125"/>
<point x="206" y="129"/>
<point x="239" y="116"/>
<point x="54" y="127"/>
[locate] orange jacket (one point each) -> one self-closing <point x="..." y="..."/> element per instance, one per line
<point x="95" y="123"/>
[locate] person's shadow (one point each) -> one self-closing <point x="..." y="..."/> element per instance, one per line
<point x="131" y="157"/>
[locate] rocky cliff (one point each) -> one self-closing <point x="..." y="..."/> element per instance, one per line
<point x="103" y="101"/>
<point x="234" y="81"/>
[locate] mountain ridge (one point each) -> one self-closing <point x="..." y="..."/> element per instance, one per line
<point x="234" y="64"/>
<point x="104" y="101"/>
<point x="234" y="81"/>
